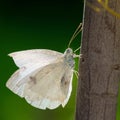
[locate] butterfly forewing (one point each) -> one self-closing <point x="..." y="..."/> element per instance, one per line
<point x="30" y="57"/>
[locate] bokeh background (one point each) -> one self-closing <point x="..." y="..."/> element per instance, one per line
<point x="28" y="24"/>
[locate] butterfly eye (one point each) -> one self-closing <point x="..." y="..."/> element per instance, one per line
<point x="69" y="50"/>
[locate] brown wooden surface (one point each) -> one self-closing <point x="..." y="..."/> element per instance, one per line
<point x="100" y="65"/>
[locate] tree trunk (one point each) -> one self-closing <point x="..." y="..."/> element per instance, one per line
<point x="100" y="64"/>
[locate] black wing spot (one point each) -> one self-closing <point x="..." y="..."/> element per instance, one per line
<point x="33" y="80"/>
<point x="64" y="85"/>
<point x="63" y="81"/>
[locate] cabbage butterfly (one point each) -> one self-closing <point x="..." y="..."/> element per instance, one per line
<point x="44" y="77"/>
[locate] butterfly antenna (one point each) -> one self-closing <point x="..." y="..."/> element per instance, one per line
<point x="77" y="31"/>
<point x="77" y="49"/>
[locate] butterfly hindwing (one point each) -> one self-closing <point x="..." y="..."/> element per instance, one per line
<point x="45" y="87"/>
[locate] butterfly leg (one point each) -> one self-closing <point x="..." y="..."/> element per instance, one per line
<point x="76" y="73"/>
<point x="77" y="56"/>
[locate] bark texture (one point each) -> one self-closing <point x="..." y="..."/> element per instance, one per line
<point x="100" y="64"/>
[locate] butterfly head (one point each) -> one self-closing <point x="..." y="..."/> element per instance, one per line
<point x="68" y="55"/>
<point x="69" y="51"/>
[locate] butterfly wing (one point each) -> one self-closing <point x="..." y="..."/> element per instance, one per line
<point x="66" y="84"/>
<point x="29" y="57"/>
<point x="44" y="87"/>
<point x="29" y="61"/>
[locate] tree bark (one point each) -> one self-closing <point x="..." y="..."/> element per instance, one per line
<point x="100" y="64"/>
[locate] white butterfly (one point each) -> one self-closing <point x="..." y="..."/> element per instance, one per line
<point x="44" y="77"/>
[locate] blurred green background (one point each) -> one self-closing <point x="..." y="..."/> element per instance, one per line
<point x="35" y="25"/>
